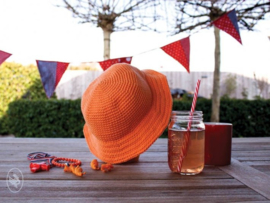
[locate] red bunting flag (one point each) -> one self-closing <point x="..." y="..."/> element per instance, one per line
<point x="180" y="51"/>
<point x="4" y="56"/>
<point x="51" y="73"/>
<point x="106" y="64"/>
<point x="228" y="23"/>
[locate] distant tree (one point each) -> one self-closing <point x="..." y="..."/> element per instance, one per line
<point x="262" y="85"/>
<point x="230" y="85"/>
<point x="115" y="15"/>
<point x="244" y="93"/>
<point x="192" y="15"/>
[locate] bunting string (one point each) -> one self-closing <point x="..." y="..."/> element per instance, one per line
<point x="51" y="72"/>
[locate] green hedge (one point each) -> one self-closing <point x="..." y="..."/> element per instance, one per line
<point x="63" y="118"/>
<point x="45" y="118"/>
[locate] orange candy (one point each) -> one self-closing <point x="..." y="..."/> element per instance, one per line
<point x="75" y="170"/>
<point x="106" y="167"/>
<point x="94" y="164"/>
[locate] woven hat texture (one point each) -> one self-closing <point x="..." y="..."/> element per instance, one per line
<point x="125" y="110"/>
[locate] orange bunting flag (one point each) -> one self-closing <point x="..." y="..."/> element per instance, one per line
<point x="228" y="23"/>
<point x="180" y="51"/>
<point x="106" y="64"/>
<point x="51" y="73"/>
<point x="4" y="56"/>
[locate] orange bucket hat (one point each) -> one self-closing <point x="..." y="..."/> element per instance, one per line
<point x="125" y="111"/>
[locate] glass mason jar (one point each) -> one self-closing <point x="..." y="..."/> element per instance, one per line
<point x="190" y="143"/>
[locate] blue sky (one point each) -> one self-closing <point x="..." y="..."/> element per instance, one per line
<point x="37" y="30"/>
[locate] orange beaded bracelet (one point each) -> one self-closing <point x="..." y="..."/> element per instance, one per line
<point x="74" y="162"/>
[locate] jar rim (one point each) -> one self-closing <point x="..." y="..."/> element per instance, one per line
<point x="185" y="112"/>
<point x="185" y="115"/>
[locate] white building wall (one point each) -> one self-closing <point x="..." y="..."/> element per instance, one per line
<point x="74" y="83"/>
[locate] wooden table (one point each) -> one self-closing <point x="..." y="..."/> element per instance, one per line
<point x="247" y="179"/>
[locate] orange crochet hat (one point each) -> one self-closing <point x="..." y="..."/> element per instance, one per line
<point x="125" y="111"/>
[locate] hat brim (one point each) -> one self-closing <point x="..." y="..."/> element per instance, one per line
<point x="146" y="132"/>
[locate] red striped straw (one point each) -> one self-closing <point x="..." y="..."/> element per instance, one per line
<point x="187" y="135"/>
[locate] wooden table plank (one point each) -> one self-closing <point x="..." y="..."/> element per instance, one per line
<point x="140" y="184"/>
<point x="251" y="140"/>
<point x="251" y="177"/>
<point x="157" y="171"/>
<point x="187" y="190"/>
<point x="150" y="199"/>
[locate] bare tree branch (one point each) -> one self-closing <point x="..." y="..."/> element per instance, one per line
<point x="193" y="13"/>
<point x="116" y="15"/>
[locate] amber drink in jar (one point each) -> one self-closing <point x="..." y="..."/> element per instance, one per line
<point x="193" y="162"/>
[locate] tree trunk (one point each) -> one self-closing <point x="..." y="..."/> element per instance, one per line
<point x="107" y="43"/>
<point x="216" y="82"/>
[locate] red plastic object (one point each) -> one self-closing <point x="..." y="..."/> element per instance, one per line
<point x="34" y="167"/>
<point x="218" y="143"/>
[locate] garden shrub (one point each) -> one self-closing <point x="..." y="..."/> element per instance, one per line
<point x="63" y="118"/>
<point x="45" y="118"/>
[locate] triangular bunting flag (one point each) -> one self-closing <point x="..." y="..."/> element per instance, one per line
<point x="4" y="56"/>
<point x="228" y="23"/>
<point x="180" y="51"/>
<point x="51" y="72"/>
<point x="106" y="64"/>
